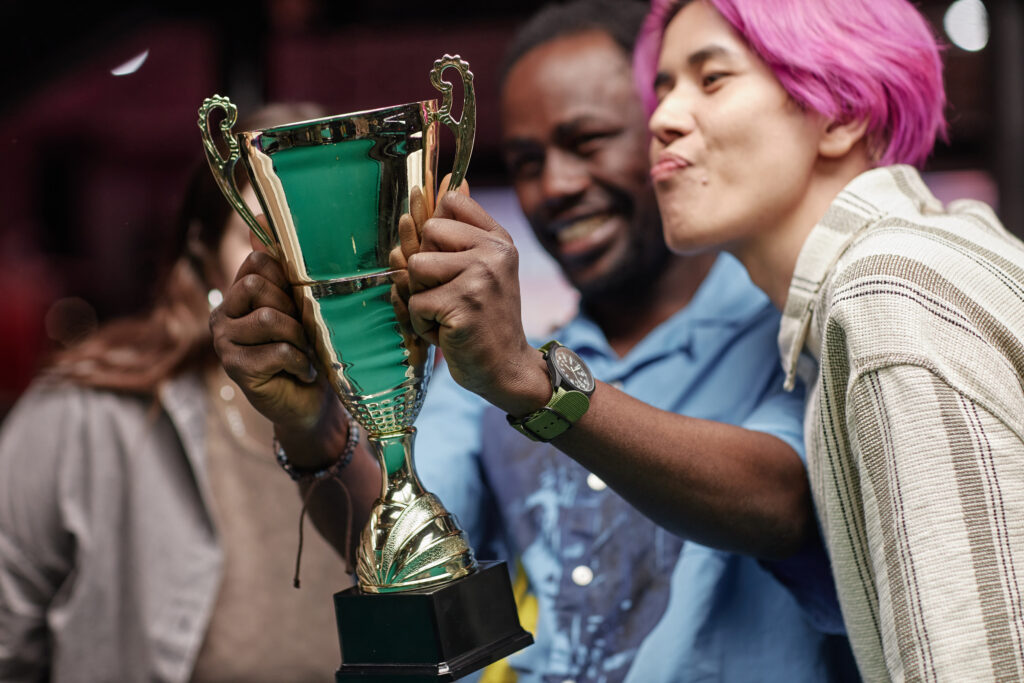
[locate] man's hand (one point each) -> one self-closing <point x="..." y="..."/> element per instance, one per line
<point x="261" y="343"/>
<point x="464" y="285"/>
<point x="410" y="229"/>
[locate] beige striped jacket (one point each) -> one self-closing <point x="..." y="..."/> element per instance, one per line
<point x="906" y="319"/>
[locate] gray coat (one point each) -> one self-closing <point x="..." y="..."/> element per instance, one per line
<point x="109" y="559"/>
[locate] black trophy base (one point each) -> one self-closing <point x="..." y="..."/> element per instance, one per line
<point x="436" y="634"/>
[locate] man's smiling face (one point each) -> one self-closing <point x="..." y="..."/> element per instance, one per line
<point x="575" y="143"/>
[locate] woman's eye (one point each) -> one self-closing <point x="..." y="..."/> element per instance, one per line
<point x="662" y="86"/>
<point x="710" y="79"/>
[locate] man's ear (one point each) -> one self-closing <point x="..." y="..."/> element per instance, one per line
<point x="838" y="138"/>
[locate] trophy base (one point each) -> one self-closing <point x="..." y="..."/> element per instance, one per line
<point x="435" y="634"/>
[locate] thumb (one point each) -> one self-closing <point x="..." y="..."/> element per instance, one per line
<point x="257" y="245"/>
<point x="447" y="180"/>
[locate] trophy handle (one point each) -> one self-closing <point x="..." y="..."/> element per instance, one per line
<point x="224" y="169"/>
<point x="465" y="128"/>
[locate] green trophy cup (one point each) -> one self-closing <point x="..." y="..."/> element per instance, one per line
<point x="333" y="190"/>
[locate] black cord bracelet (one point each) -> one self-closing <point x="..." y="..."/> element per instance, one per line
<point x="332" y="470"/>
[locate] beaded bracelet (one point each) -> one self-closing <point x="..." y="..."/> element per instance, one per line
<point x="332" y="470"/>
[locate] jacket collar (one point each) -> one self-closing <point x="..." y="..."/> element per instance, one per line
<point x="185" y="400"/>
<point x="866" y="199"/>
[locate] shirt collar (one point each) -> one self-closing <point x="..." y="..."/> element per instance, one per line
<point x="871" y="195"/>
<point x="726" y="298"/>
<point x="185" y="400"/>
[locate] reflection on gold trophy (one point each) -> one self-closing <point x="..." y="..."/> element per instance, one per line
<point x="333" y="191"/>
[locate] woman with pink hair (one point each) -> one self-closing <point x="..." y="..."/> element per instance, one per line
<point x="786" y="131"/>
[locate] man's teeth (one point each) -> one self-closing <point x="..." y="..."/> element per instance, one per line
<point x="581" y="228"/>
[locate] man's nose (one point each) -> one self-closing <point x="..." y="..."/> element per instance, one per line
<point x="565" y="175"/>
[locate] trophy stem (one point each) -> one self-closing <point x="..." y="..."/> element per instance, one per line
<point x="411" y="540"/>
<point x="394" y="451"/>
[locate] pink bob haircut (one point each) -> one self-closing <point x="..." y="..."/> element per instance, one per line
<point x="849" y="60"/>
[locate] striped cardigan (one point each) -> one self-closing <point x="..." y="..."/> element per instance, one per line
<point x="907" y="321"/>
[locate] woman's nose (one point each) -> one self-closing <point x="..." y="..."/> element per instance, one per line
<point x="672" y="118"/>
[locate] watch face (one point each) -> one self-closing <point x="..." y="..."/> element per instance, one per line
<point x="576" y="374"/>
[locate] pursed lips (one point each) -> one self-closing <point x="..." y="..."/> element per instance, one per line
<point x="668" y="163"/>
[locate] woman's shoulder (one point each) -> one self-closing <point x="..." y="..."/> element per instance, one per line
<point x="54" y="407"/>
<point x="51" y="391"/>
<point x="942" y="239"/>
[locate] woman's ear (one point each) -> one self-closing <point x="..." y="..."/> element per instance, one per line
<point x="839" y="138"/>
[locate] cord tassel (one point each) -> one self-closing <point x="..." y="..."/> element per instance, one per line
<point x="347" y="554"/>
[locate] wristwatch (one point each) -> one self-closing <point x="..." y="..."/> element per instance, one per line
<point x="571" y="387"/>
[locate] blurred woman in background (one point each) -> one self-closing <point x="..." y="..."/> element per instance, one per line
<point x="146" y="532"/>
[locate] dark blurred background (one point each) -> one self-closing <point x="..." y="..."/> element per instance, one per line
<point x="98" y="127"/>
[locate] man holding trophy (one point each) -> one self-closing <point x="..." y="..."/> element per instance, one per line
<point x="619" y="596"/>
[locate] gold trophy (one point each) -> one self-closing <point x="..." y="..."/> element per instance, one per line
<point x="333" y="191"/>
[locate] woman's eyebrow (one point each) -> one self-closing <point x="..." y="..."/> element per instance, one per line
<point x="704" y="54"/>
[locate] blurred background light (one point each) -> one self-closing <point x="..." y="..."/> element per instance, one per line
<point x="132" y="65"/>
<point x="966" y="24"/>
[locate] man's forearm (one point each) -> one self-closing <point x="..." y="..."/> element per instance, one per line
<point x="720" y="485"/>
<point x="338" y="506"/>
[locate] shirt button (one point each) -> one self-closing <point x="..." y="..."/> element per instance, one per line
<point x="618" y="385"/>
<point x="568" y="680"/>
<point x="582" y="575"/>
<point x="595" y="482"/>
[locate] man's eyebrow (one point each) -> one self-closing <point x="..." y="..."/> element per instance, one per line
<point x="569" y="129"/>
<point x="517" y="142"/>
<point x="518" y="146"/>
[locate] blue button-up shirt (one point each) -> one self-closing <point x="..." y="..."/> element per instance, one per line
<point x="618" y="597"/>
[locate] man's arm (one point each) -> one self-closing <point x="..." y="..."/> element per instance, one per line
<point x="942" y="493"/>
<point x="720" y="485"/>
<point x="265" y="351"/>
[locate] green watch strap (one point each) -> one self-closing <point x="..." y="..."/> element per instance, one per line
<point x="561" y="412"/>
<point x="566" y="405"/>
<point x="548" y="346"/>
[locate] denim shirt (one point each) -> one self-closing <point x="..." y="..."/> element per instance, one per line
<point x="618" y="597"/>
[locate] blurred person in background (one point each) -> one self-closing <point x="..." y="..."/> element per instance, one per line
<point x="613" y="596"/>
<point x="29" y="284"/>
<point x="146" y="532"/>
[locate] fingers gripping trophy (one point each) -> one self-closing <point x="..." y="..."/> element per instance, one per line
<point x="333" y="191"/>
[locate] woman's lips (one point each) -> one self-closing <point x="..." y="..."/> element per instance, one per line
<point x="667" y="165"/>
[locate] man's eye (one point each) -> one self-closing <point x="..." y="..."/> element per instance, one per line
<point x="524" y="167"/>
<point x="590" y="143"/>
